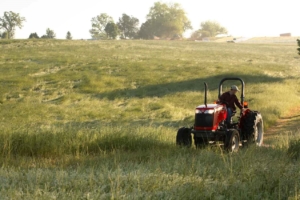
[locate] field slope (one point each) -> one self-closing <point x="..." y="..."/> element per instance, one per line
<point x="98" y="119"/>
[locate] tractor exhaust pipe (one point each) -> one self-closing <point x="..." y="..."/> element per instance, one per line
<point x="205" y="94"/>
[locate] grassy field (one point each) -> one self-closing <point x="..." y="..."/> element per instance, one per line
<point x="283" y="40"/>
<point x="98" y="120"/>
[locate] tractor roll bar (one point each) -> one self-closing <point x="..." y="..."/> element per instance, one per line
<point x="233" y="79"/>
<point x="205" y="94"/>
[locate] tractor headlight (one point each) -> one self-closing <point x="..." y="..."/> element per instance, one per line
<point x="209" y="111"/>
<point x="198" y="111"/>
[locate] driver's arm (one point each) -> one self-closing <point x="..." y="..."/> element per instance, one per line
<point x="238" y="103"/>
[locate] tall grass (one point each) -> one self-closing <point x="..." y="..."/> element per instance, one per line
<point x="98" y="119"/>
<point x="155" y="172"/>
<point x="57" y="142"/>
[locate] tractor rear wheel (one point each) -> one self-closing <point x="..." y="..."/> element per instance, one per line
<point x="253" y="128"/>
<point x="184" y="137"/>
<point x="232" y="141"/>
<point x="200" y="142"/>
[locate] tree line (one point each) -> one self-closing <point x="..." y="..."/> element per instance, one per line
<point x="50" y="34"/>
<point x="163" y="21"/>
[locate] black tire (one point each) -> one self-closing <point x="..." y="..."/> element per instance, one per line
<point x="253" y="129"/>
<point x="200" y="142"/>
<point x="232" y="141"/>
<point x="184" y="137"/>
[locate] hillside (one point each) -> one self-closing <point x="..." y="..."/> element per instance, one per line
<point x="98" y="119"/>
<point x="270" y="40"/>
<point x="258" y="40"/>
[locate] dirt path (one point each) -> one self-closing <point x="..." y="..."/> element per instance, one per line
<point x="287" y="124"/>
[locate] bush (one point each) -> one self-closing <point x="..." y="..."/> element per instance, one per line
<point x="4" y="35"/>
<point x="34" y="36"/>
<point x="44" y="37"/>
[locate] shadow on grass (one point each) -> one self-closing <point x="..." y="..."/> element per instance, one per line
<point x="72" y="142"/>
<point x="160" y="90"/>
<point x="127" y="143"/>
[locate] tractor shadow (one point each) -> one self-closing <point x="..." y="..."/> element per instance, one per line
<point x="164" y="89"/>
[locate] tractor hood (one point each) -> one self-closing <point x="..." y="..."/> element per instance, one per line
<point x="211" y="107"/>
<point x="208" y="118"/>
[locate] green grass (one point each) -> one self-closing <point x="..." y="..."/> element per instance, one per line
<point x="98" y="120"/>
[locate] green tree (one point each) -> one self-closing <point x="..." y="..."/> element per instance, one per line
<point x="50" y="33"/>
<point x="146" y="31"/>
<point x="128" y="26"/>
<point x="112" y="30"/>
<point x="69" y="36"/>
<point x="299" y="46"/>
<point x="166" y="20"/>
<point x="9" y="22"/>
<point x="196" y="35"/>
<point x="33" y="36"/>
<point x="211" y="29"/>
<point x="98" y="26"/>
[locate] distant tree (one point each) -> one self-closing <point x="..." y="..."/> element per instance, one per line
<point x="211" y="29"/>
<point x="112" y="30"/>
<point x="99" y="24"/>
<point x="166" y="21"/>
<point x="9" y="22"/>
<point x="299" y="46"/>
<point x="69" y="36"/>
<point x="128" y="26"/>
<point x="33" y="36"/>
<point x="146" y="31"/>
<point x="196" y="35"/>
<point x="50" y="34"/>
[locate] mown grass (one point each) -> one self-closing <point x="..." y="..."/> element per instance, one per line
<point x="97" y="120"/>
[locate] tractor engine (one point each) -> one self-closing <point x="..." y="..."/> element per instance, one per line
<point x="209" y="117"/>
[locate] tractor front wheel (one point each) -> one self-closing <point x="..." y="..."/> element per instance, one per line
<point x="232" y="141"/>
<point x="184" y="137"/>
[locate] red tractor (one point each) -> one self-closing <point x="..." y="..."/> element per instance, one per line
<point x="210" y="126"/>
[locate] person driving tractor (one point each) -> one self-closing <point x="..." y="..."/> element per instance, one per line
<point x="231" y="100"/>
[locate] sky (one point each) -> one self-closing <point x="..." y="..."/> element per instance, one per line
<point x="242" y="18"/>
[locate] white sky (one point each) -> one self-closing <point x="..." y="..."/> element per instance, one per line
<point x="247" y="18"/>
